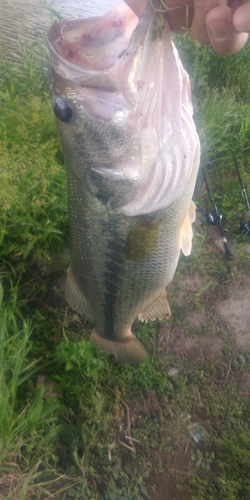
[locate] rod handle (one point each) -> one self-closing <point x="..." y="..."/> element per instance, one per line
<point x="229" y="256"/>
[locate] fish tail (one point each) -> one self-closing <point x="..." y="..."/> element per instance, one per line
<point x="126" y="350"/>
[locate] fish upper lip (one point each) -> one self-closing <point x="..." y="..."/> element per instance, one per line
<point x="56" y="54"/>
<point x="64" y="41"/>
<point x="84" y="77"/>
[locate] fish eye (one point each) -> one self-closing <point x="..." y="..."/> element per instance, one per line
<point x="63" y="110"/>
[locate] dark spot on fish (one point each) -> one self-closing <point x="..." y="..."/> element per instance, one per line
<point x="68" y="52"/>
<point x="116" y="24"/>
<point x="63" y="110"/>
<point x="86" y="38"/>
<point x="102" y="197"/>
<point x="112" y="286"/>
<point x="139" y="84"/>
<point x="122" y="54"/>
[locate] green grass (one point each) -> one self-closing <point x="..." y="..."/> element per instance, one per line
<point x="72" y="445"/>
<point x="32" y="179"/>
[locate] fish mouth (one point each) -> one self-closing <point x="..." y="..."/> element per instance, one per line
<point x="87" y="47"/>
<point x="136" y="61"/>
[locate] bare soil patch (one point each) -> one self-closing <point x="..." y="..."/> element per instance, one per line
<point x="201" y="335"/>
<point x="235" y="313"/>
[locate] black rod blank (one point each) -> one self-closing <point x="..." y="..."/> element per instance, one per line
<point x="217" y="219"/>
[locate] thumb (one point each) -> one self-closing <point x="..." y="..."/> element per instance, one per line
<point x="223" y="37"/>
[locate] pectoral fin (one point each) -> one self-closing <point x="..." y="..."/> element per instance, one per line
<point x="142" y="240"/>
<point x="186" y="232"/>
<point x="74" y="296"/>
<point x="159" y="309"/>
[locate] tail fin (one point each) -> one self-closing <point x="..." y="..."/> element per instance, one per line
<point x="126" y="350"/>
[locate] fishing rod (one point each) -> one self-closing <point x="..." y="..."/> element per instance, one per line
<point x="244" y="226"/>
<point x="215" y="218"/>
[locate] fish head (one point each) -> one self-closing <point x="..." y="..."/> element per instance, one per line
<point x="122" y="102"/>
<point x="94" y="117"/>
<point x="96" y="134"/>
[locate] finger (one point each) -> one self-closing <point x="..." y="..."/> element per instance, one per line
<point x="241" y="18"/>
<point x="223" y="37"/>
<point x="179" y="14"/>
<point x="137" y="6"/>
<point x="198" y="29"/>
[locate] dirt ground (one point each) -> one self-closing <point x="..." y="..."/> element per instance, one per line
<point x="221" y="306"/>
<point x="228" y="309"/>
<point x="196" y="336"/>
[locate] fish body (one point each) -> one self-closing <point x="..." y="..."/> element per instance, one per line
<point x="124" y="114"/>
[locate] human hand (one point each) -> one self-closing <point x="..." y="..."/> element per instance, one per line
<point x="222" y="23"/>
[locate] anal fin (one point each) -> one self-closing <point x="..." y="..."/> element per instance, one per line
<point x="125" y="350"/>
<point x="159" y="309"/>
<point x="74" y="296"/>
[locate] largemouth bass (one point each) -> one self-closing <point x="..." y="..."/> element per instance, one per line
<point x="122" y="102"/>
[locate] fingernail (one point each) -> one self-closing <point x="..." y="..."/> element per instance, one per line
<point x="219" y="28"/>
